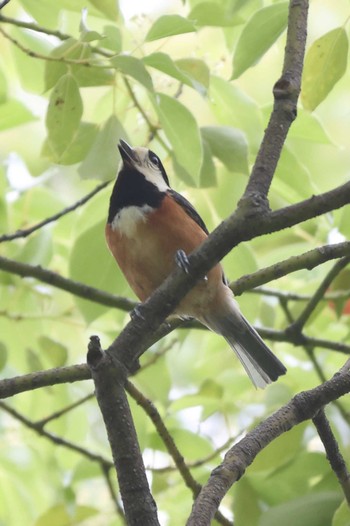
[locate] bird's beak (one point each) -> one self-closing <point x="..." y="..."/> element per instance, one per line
<point x="127" y="152"/>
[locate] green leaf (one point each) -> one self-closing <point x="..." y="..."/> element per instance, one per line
<point x="181" y="128"/>
<point x="81" y="145"/>
<point x="229" y="145"/>
<point x="207" y="175"/>
<point x="169" y="25"/>
<point x="37" y="249"/>
<point x="292" y="179"/>
<point x="213" y="14"/>
<point x="342" y="515"/>
<point x="3" y="88"/>
<point x="234" y="108"/>
<point x="109" y="8"/>
<point x="307" y="127"/>
<point x="112" y="39"/>
<point x="86" y="35"/>
<point x="63" y="115"/>
<point x="58" y="516"/>
<point x="13" y="113"/>
<point x="246" y="506"/>
<point x="103" y="158"/>
<point x="85" y="76"/>
<point x="325" y="64"/>
<point x="55" y="351"/>
<point x="191" y="72"/>
<point x="197" y="70"/>
<point x="261" y="31"/>
<point x="3" y="355"/>
<point x="101" y="273"/>
<point x="315" y="509"/>
<point x="279" y="452"/>
<point x="133" y="67"/>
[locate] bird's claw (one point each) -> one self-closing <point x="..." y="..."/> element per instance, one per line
<point x="181" y="260"/>
<point x="136" y="313"/>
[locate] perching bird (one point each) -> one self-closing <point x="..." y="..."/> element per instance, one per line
<point x="150" y="229"/>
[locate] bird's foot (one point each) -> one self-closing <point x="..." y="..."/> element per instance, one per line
<point x="181" y="260"/>
<point x="136" y="313"/>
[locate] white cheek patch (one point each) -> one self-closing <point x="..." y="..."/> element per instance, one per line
<point x="154" y="176"/>
<point x="127" y="219"/>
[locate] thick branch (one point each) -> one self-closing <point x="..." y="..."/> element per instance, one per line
<point x="286" y="92"/>
<point x="31" y="381"/>
<point x="110" y="393"/>
<point x="303" y="406"/>
<point x="132" y="341"/>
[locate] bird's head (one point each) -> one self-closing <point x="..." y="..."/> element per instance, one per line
<point x="145" y="162"/>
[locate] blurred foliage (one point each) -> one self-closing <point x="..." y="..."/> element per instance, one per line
<point x="87" y="75"/>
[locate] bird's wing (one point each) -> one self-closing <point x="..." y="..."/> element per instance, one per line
<point x="188" y="208"/>
<point x="192" y="212"/>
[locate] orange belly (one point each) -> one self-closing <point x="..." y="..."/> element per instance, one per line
<point x="147" y="256"/>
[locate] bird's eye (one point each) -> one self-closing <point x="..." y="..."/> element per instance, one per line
<point x="154" y="159"/>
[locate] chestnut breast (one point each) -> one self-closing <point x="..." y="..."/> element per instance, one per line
<point x="144" y="244"/>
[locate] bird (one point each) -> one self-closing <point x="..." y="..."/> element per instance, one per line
<point x="150" y="229"/>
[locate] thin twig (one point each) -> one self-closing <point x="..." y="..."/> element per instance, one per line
<point x="334" y="455"/>
<point x="80" y="62"/>
<point x="32" y="26"/>
<point x="308" y="260"/>
<point x="151" y="410"/>
<point x="57" y="414"/>
<point x="69" y="285"/>
<point x="293" y="296"/>
<point x="27" y="231"/>
<point x="54" y="438"/>
<point x="106" y="472"/>
<point x="300" y="322"/>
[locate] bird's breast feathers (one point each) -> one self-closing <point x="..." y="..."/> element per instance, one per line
<point x="144" y="242"/>
<point x="128" y="218"/>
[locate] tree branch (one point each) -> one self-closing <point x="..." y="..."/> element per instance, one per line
<point x="110" y="393"/>
<point x="132" y="341"/>
<point x="27" y="231"/>
<point x="151" y="410"/>
<point x="286" y="92"/>
<point x="299" y="323"/>
<point x="38" y="428"/>
<point x="90" y="62"/>
<point x="334" y="455"/>
<point x="303" y="406"/>
<point x="308" y="260"/>
<point x="73" y="287"/>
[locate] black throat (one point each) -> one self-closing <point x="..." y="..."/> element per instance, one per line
<point x="132" y="189"/>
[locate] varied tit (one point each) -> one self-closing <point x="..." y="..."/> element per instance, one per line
<point x="150" y="229"/>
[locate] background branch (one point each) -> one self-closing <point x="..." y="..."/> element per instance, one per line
<point x="308" y="260"/>
<point x="334" y="456"/>
<point x="303" y="406"/>
<point x="299" y="323"/>
<point x="109" y="381"/>
<point x="27" y="231"/>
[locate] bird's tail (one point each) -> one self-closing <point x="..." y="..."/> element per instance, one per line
<point x="260" y="363"/>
